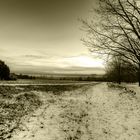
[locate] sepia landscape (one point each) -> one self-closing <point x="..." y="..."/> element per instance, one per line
<point x="70" y="70"/>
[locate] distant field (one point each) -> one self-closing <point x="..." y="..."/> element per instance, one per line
<point x="43" y="82"/>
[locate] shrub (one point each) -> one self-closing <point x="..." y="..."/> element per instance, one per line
<point x="4" y="71"/>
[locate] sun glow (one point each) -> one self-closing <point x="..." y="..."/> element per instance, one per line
<point x="38" y="63"/>
<point x="84" y="61"/>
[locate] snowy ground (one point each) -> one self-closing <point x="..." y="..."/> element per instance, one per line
<point x="90" y="113"/>
<point x="135" y="88"/>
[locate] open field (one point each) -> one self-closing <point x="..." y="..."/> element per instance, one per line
<point x="21" y="98"/>
<point x="42" y="82"/>
<point x="70" y="111"/>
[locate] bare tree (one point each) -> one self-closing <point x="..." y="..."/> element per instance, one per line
<point x="119" y="70"/>
<point x="114" y="70"/>
<point x="118" y="30"/>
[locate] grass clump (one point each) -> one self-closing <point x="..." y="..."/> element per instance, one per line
<point x="14" y="105"/>
<point x="124" y="90"/>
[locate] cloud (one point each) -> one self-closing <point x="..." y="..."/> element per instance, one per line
<point x="33" y="56"/>
<point x="57" y="64"/>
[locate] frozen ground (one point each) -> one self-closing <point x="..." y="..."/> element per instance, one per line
<point x="135" y="88"/>
<point x="89" y="113"/>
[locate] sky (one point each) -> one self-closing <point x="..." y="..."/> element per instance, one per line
<point x="43" y="36"/>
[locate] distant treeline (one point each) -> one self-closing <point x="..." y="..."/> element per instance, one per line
<point x="21" y="76"/>
<point x="70" y="78"/>
<point x="88" y="78"/>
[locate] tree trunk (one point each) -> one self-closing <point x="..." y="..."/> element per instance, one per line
<point x="139" y="74"/>
<point x="119" y="73"/>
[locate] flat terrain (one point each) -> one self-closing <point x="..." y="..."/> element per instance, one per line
<point x="42" y="82"/>
<point x="91" y="111"/>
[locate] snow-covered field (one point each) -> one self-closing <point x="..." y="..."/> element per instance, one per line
<point x="135" y="88"/>
<point x="95" y="112"/>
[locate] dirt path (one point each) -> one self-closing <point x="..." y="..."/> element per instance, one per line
<point x="94" y="113"/>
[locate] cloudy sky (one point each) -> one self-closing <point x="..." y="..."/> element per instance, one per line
<point x="42" y="36"/>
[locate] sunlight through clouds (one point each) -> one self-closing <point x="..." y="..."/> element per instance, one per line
<point x="83" y="61"/>
<point x="43" y="63"/>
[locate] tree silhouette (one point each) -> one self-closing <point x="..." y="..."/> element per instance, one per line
<point x="4" y="71"/>
<point x="119" y="70"/>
